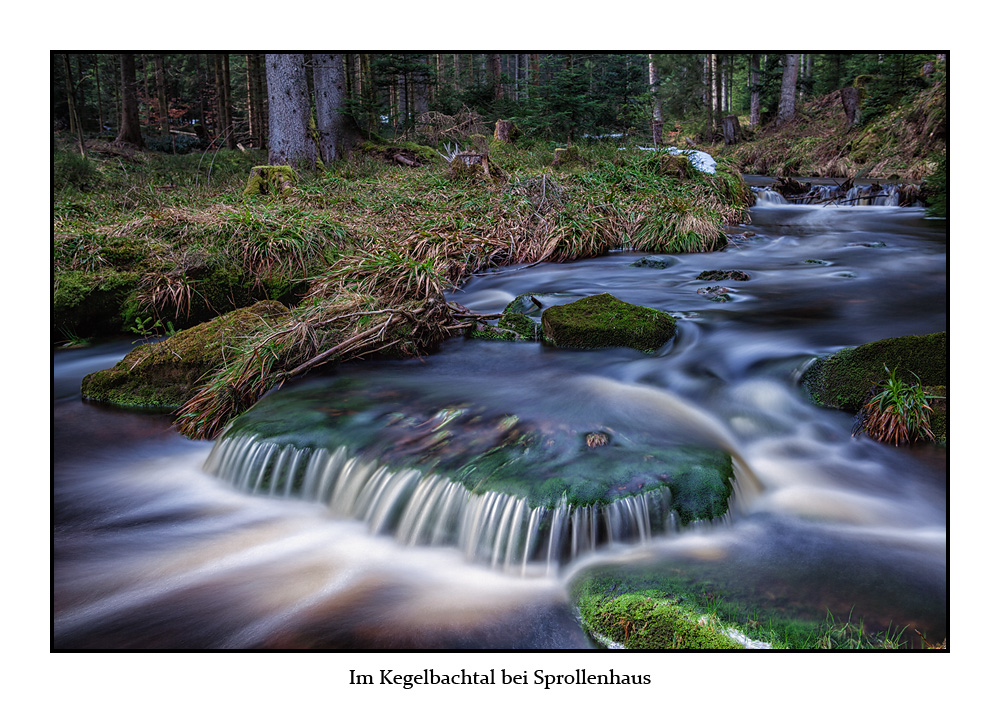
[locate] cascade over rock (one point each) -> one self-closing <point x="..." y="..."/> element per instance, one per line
<point x="517" y="493"/>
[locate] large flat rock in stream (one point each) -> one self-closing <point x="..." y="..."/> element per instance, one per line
<point x="548" y="460"/>
<point x="605" y="321"/>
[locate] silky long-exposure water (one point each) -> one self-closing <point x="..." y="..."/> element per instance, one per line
<point x="152" y="551"/>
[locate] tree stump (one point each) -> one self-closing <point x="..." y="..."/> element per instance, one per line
<point x="469" y="165"/>
<point x="276" y="181"/>
<point x="731" y="129"/>
<point x="569" y="155"/>
<point x="506" y="132"/>
<point x="851" y="101"/>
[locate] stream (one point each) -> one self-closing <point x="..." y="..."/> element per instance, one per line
<point x="153" y="551"/>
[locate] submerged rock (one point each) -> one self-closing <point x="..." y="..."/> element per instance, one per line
<point x="516" y="324"/>
<point x="605" y="321"/>
<point x="652" y="262"/>
<point x="716" y="275"/>
<point x="166" y="374"/>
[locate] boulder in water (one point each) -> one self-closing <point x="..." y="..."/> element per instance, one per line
<point x="166" y="374"/>
<point x="845" y="379"/>
<point x="605" y="321"/>
<point x="716" y="275"/>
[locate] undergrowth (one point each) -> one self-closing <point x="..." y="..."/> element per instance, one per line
<point x="387" y="241"/>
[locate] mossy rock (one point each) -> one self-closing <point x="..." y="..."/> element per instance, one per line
<point x="605" y="321"/>
<point x="545" y="460"/>
<point x="516" y="324"/>
<point x="649" y="620"/>
<point x="274" y="181"/>
<point x="845" y="379"/>
<point x="89" y="303"/>
<point x="166" y="374"/>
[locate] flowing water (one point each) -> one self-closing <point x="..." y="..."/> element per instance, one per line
<point x="157" y="546"/>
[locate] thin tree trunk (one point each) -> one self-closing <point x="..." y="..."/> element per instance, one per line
<point x="81" y="95"/>
<point x="251" y="101"/>
<point x="754" y="90"/>
<point x="654" y="82"/>
<point x="161" y="96"/>
<point x="710" y="113"/>
<point x="228" y="103"/>
<point x="129" y="131"/>
<point x="74" y="119"/>
<point x="100" y="102"/>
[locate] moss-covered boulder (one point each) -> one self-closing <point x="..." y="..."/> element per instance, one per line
<point x="845" y="379"/>
<point x="652" y="262"/>
<point x="166" y="374"/>
<point x="605" y="321"/>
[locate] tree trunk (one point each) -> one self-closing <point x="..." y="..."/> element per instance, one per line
<point x="129" y="132"/>
<point x="709" y="112"/>
<point x="754" y="90"/>
<point x="731" y="129"/>
<point x="100" y="102"/>
<point x="332" y="122"/>
<point x="850" y="99"/>
<point x="252" y="114"/>
<point x="654" y="82"/>
<point x="786" y="106"/>
<point x="227" y="101"/>
<point x="220" y="99"/>
<point x="161" y="96"/>
<point x="533" y="70"/>
<point x="288" y="111"/>
<point x="74" y="118"/>
<point x="495" y="81"/>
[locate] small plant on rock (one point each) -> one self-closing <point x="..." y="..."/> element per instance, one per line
<point x="898" y="412"/>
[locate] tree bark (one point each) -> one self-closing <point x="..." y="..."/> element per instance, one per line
<point x="161" y="96"/>
<point x="850" y="99"/>
<point x="227" y="102"/>
<point x="495" y="81"/>
<point x="288" y="111"/>
<point x="100" y="102"/>
<point x="786" y="105"/>
<point x="731" y="129"/>
<point x="654" y="82"/>
<point x="332" y="122"/>
<point x="754" y="90"/>
<point x="128" y="131"/>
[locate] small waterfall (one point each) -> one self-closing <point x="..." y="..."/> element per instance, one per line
<point x="495" y="528"/>
<point x="873" y="194"/>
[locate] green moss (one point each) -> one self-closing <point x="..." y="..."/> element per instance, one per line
<point x="91" y="302"/>
<point x="845" y="379"/>
<point x="605" y="321"/>
<point x="166" y="374"/>
<point x="648" y="620"/>
<point x="546" y="461"/>
<point x="275" y="181"/>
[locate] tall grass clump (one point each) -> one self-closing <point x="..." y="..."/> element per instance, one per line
<point x="898" y="412"/>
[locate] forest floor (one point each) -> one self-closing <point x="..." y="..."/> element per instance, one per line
<point x="361" y="253"/>
<point x="905" y="143"/>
